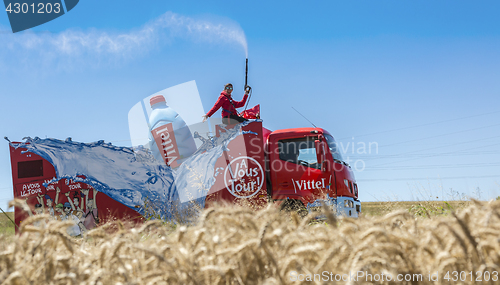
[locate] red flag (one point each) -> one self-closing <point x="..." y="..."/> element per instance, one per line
<point x="253" y="113"/>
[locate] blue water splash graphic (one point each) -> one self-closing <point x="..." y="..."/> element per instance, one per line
<point x="132" y="175"/>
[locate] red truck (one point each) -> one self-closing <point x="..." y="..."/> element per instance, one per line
<point x="294" y="168"/>
<point x="301" y="168"/>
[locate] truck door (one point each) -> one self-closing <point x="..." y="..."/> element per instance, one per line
<point x="295" y="170"/>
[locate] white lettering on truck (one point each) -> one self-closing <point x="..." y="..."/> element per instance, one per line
<point x="31" y="189"/>
<point x="75" y="186"/>
<point x="244" y="177"/>
<point x="165" y="140"/>
<point x="308" y="184"/>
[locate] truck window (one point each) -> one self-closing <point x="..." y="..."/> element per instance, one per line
<point x="27" y="169"/>
<point x="299" y="151"/>
<point x="333" y="148"/>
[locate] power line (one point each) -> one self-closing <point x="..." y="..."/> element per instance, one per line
<point x="406" y="167"/>
<point x="425" y="178"/>
<point x="423" y="125"/>
<point x="442" y="135"/>
<point x="417" y="155"/>
<point x="442" y="147"/>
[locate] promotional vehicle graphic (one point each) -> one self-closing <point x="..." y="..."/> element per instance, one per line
<point x="243" y="164"/>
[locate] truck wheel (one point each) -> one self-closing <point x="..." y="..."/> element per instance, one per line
<point x="269" y="190"/>
<point x="294" y="206"/>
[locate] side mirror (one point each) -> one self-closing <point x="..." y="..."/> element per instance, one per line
<point x="317" y="146"/>
<point x="320" y="151"/>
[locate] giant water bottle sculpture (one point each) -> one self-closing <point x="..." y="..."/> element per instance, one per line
<point x="170" y="138"/>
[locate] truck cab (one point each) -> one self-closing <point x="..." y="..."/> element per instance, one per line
<point x="305" y="169"/>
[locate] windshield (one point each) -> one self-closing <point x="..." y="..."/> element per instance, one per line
<point x="333" y="148"/>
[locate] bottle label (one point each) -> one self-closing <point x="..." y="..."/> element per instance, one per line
<point x="165" y="140"/>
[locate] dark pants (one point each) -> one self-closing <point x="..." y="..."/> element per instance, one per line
<point x="233" y="119"/>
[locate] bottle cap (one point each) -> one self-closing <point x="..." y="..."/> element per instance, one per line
<point x="156" y="99"/>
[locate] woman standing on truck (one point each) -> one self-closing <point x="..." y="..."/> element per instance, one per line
<point x="228" y="105"/>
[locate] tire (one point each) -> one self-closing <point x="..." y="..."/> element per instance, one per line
<point x="295" y="206"/>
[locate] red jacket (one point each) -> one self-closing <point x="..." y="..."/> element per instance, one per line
<point x="224" y="101"/>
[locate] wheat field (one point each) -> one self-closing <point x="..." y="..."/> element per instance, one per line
<point x="241" y="246"/>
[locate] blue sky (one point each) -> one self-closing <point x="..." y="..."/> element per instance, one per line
<point x="417" y="78"/>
